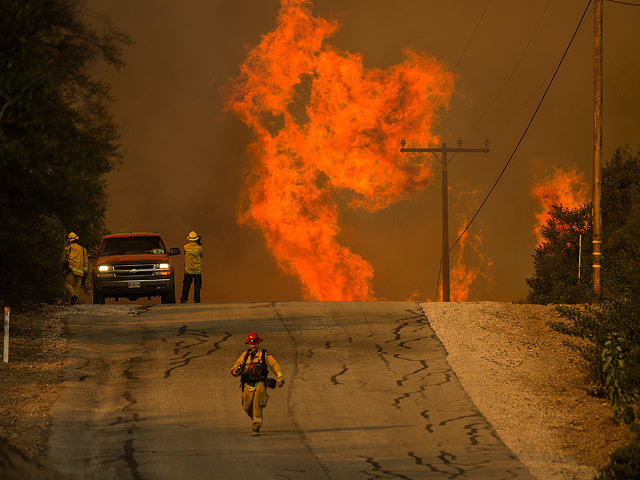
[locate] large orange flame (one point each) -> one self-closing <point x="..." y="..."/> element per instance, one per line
<point x="468" y="264"/>
<point x="327" y="126"/>
<point x="566" y="189"/>
<point x="462" y="274"/>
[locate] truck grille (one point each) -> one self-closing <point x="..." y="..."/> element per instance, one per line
<point x="133" y="270"/>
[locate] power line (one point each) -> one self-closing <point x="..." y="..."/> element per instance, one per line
<point x="473" y="34"/>
<point x="95" y="15"/>
<point x="524" y="104"/>
<point x="555" y="73"/>
<point x="515" y="68"/>
<point x="464" y="50"/>
<point x="625" y="3"/>
<point x="444" y="150"/>
<point x="438" y="281"/>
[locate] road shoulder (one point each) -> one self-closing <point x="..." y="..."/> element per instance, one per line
<point x="519" y="373"/>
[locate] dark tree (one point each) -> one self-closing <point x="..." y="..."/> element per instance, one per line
<point x="621" y="223"/>
<point x="556" y="260"/>
<point x="57" y="140"/>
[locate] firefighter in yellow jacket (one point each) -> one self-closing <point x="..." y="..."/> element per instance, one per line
<point x="192" y="268"/>
<point x="75" y="267"/>
<point x="253" y="368"/>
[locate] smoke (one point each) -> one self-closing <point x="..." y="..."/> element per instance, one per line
<point x="187" y="165"/>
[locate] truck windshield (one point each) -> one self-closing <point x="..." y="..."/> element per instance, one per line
<point x="131" y="246"/>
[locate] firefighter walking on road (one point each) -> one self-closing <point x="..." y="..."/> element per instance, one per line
<point x="253" y="367"/>
<point x="192" y="268"/>
<point x="75" y="267"/>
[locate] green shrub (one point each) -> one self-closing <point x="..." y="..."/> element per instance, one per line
<point x="624" y="463"/>
<point x="612" y="351"/>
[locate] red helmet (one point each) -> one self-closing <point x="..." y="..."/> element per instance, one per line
<point x="253" y="338"/>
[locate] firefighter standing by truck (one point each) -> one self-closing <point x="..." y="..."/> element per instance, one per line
<point x="192" y="268"/>
<point x="75" y="267"/>
<point x="253" y="368"/>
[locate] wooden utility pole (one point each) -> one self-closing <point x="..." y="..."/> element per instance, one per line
<point x="597" y="142"/>
<point x="444" y="150"/>
<point x="5" y="351"/>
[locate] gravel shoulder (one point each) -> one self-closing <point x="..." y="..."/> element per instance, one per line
<point x="522" y="376"/>
<point x="529" y="384"/>
<point x="30" y="383"/>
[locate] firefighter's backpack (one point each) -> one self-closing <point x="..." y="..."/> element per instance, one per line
<point x="255" y="372"/>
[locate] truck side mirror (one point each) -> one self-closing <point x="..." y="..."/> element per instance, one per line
<point x="174" y="251"/>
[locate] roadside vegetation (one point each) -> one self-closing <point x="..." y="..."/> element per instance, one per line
<point x="57" y="140"/>
<point x="609" y="324"/>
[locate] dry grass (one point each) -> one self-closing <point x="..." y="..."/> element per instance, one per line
<point x="29" y="383"/>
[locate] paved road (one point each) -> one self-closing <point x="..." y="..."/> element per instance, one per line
<point x="369" y="395"/>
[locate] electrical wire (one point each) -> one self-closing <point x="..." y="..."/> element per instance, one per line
<point x="625" y="3"/>
<point x="432" y="100"/>
<point x="555" y="73"/>
<point x="473" y="34"/>
<point x="515" y="68"/>
<point x="438" y="281"/>
<point x="95" y="15"/>
<point x="525" y="103"/>
<point x="464" y="50"/>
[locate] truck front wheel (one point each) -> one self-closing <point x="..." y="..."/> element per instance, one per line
<point x="97" y="298"/>
<point x="169" y="297"/>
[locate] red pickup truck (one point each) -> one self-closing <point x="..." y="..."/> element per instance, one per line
<point x="133" y="265"/>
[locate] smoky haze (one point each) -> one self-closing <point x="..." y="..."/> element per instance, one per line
<point x="186" y="158"/>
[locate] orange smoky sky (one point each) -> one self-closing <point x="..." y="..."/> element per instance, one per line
<point x="192" y="161"/>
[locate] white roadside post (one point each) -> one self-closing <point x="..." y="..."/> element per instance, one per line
<point x="5" y="352"/>
<point x="579" y="257"/>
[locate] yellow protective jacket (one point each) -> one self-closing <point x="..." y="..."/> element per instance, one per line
<point x="271" y="362"/>
<point x="75" y="257"/>
<point x="193" y="258"/>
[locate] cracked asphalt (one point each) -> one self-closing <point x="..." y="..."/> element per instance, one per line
<point x="369" y="394"/>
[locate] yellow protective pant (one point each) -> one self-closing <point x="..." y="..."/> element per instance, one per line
<point x="72" y="284"/>
<point x="254" y="399"/>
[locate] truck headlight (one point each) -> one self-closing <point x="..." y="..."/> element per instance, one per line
<point x="104" y="268"/>
<point x="163" y="266"/>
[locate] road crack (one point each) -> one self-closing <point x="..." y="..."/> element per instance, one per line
<point x="201" y="338"/>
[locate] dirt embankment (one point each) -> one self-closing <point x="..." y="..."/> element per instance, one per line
<point x="519" y="372"/>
